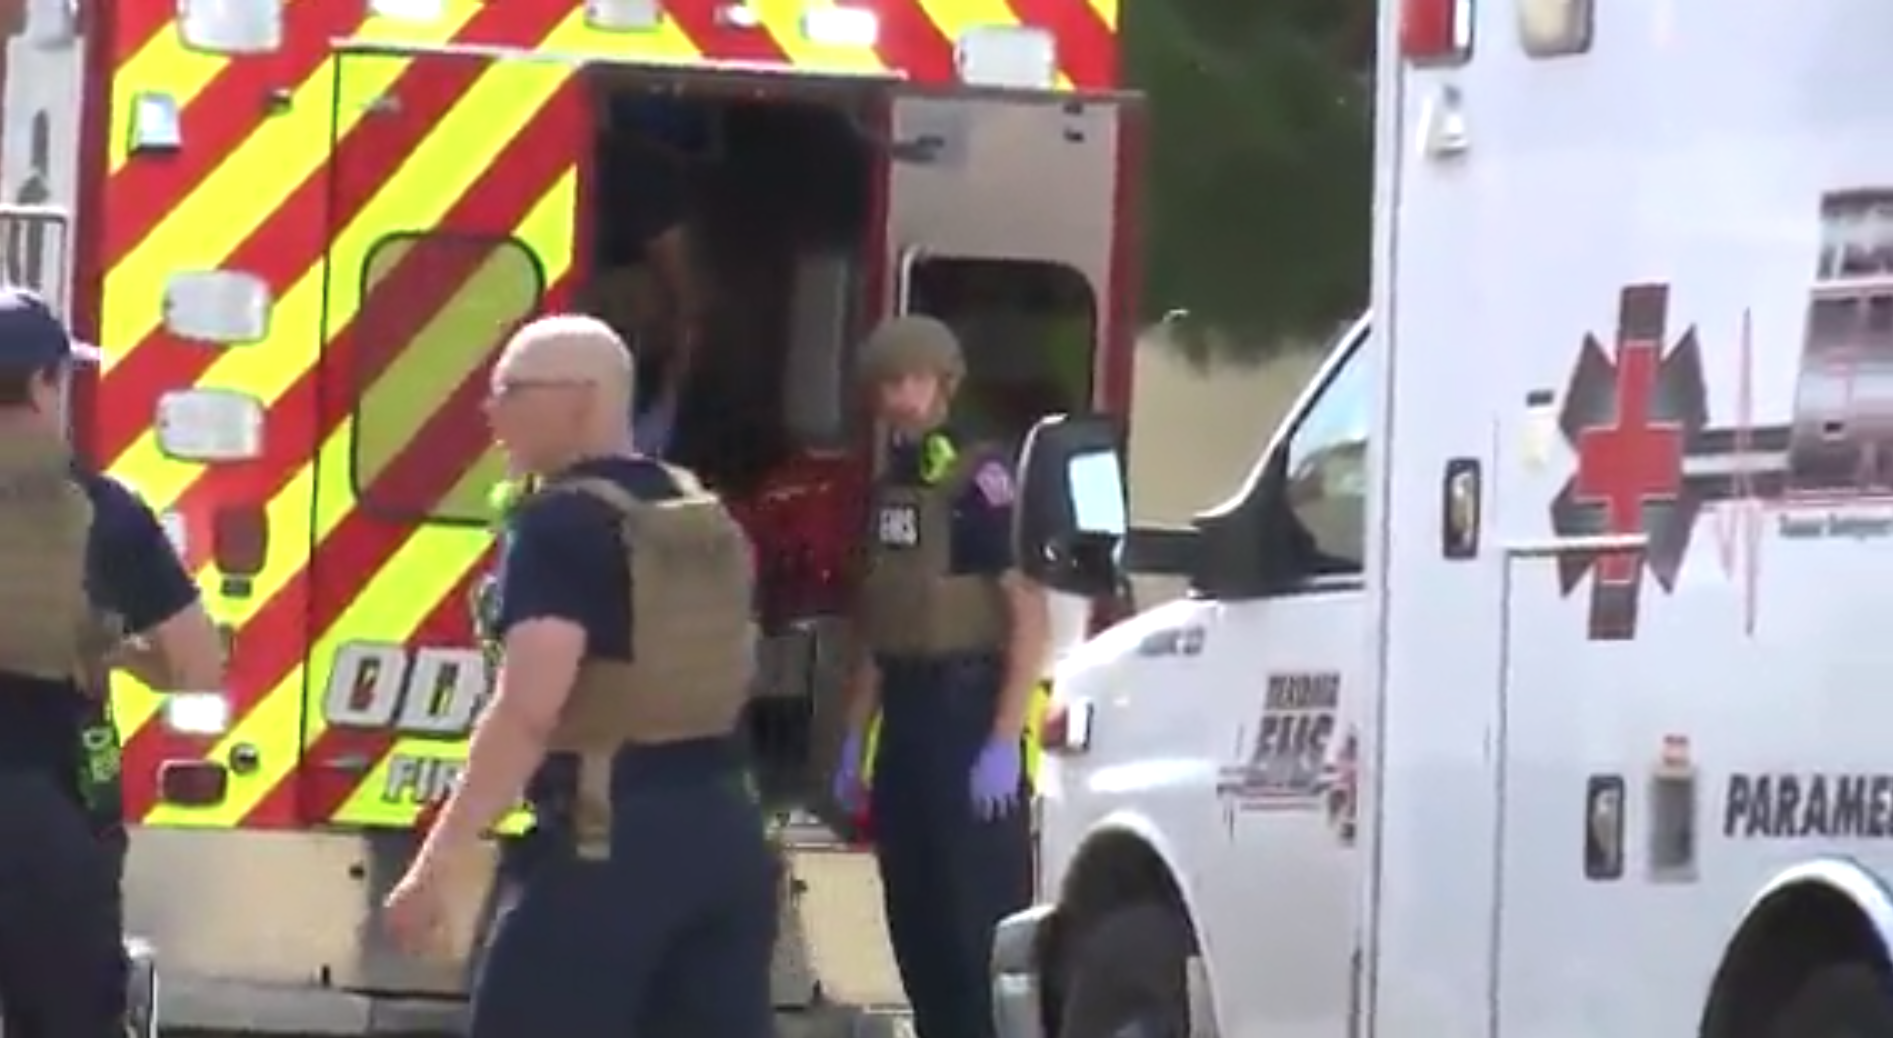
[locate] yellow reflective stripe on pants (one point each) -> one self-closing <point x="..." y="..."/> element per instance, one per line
<point x="1034" y="723"/>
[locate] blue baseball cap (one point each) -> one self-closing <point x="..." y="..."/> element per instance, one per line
<point x="32" y="336"/>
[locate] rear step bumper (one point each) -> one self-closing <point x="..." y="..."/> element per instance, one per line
<point x="265" y="933"/>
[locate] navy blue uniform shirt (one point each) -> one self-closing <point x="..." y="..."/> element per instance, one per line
<point x="563" y="559"/>
<point x="132" y="571"/>
<point x="982" y="511"/>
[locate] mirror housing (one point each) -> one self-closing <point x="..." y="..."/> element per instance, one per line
<point x="1073" y="507"/>
<point x="1250" y="547"/>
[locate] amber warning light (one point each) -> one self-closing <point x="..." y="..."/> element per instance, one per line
<point x="1066" y="727"/>
<point x="1435" y="30"/>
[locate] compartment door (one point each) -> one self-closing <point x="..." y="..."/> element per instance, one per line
<point x="454" y="187"/>
<point x="1011" y="218"/>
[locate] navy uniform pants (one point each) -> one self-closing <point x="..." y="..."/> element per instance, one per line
<point x="671" y="936"/>
<point x="947" y="876"/>
<point x="62" y="971"/>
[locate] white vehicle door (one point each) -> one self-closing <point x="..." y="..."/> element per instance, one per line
<point x="1004" y="220"/>
<point x="1281" y="915"/>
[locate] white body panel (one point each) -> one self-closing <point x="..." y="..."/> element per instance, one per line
<point x="1675" y="194"/>
<point x="1693" y="149"/>
<point x="1267" y="884"/>
<point x="985" y="154"/>
<point x="1179" y="699"/>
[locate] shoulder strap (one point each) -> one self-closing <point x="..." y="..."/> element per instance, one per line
<point x="687" y="482"/>
<point x="615" y="497"/>
<point x="623" y="501"/>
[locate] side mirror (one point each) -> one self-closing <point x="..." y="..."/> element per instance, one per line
<point x="1073" y="510"/>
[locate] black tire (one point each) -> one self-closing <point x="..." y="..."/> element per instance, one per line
<point x="1838" y="1000"/>
<point x="1128" y="977"/>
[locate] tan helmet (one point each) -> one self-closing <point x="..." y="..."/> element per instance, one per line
<point x="912" y="344"/>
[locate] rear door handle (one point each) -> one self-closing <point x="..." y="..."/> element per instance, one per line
<point x="1558" y="547"/>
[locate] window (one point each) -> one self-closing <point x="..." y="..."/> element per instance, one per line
<point x="1030" y="333"/>
<point x="435" y="309"/>
<point x="1327" y="466"/>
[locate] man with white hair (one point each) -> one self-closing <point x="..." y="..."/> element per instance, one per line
<point x="83" y="564"/>
<point x="623" y="616"/>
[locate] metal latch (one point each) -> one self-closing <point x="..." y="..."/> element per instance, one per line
<point x="1558" y="547"/>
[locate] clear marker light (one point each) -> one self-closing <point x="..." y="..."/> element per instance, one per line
<point x="841" y="26"/>
<point x="197" y="713"/>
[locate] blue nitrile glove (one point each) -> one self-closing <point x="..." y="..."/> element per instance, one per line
<point x="849" y="791"/>
<point x="651" y="431"/>
<point x="995" y="780"/>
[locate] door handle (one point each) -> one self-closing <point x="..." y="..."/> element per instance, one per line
<point x="1595" y="544"/>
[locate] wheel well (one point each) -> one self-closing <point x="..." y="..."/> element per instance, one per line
<point x="1796" y="930"/>
<point x="1114" y="870"/>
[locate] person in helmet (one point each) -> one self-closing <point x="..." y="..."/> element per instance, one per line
<point x="83" y="565"/>
<point x="954" y="638"/>
<point x="623" y="616"/>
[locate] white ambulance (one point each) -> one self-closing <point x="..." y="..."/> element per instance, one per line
<point x="1538" y="682"/>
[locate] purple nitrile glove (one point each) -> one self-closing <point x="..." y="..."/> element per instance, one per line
<point x="995" y="779"/>
<point x="849" y="790"/>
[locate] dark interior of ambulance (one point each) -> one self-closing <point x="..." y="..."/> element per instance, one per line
<point x="776" y="200"/>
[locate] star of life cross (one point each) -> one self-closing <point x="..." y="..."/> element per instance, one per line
<point x="1635" y="460"/>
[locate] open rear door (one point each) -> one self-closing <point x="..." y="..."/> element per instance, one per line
<point x="1012" y="215"/>
<point x="454" y="196"/>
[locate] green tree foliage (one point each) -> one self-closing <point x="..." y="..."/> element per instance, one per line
<point x="1258" y="189"/>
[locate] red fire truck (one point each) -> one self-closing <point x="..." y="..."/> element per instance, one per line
<point x="303" y="227"/>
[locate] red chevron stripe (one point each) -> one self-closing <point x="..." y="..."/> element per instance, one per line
<point x="293" y="239"/>
<point x="278" y="635"/>
<point x="316" y="797"/>
<point x="136" y="24"/>
<point x="1087" y="49"/>
<point x="911" y="41"/>
<point x="719" y="42"/>
<point x="445" y="448"/>
<point x="232" y="107"/>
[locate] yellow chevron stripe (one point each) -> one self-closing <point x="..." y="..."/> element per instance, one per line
<point x="204" y="229"/>
<point x="1107" y="12"/>
<point x="954" y="17"/>
<point x="452" y="347"/>
<point x="446" y="164"/>
<point x="783" y="21"/>
<point x="266" y="370"/>
<point x="245" y="190"/>
<point x="395" y="600"/>
<point x="162" y="65"/>
<point x="418" y="195"/>
<point x="666" y="43"/>
<point x="394" y="603"/>
<point x="135" y="704"/>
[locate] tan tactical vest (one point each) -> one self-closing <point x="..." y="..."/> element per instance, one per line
<point x="693" y="641"/>
<point x="911" y="603"/>
<point x="48" y="628"/>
